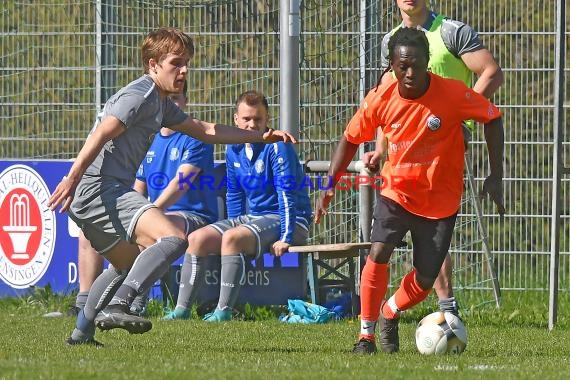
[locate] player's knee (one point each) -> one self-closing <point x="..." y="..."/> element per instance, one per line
<point x="233" y="237"/>
<point x="425" y="282"/>
<point x="380" y="253"/>
<point x="198" y="238"/>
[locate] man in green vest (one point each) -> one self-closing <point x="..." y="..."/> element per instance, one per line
<point x="455" y="52"/>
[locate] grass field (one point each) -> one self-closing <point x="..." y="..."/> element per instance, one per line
<point x="512" y="342"/>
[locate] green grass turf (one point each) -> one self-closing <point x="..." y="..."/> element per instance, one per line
<point x="512" y="342"/>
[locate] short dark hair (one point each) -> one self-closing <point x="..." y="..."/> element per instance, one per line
<point x="408" y="37"/>
<point x="253" y="98"/>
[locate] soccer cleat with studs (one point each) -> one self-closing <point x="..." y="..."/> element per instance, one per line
<point x="364" y="347"/>
<point x="119" y="317"/>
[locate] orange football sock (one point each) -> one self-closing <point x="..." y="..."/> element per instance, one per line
<point x="373" y="286"/>
<point x="408" y="295"/>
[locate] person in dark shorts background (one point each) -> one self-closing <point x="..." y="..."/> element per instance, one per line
<point x="421" y="116"/>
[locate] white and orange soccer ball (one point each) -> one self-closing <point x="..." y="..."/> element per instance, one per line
<point x="441" y="333"/>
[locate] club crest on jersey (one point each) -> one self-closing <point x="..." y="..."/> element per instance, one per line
<point x="27" y="227"/>
<point x="174" y="154"/>
<point x="433" y="123"/>
<point x="259" y="166"/>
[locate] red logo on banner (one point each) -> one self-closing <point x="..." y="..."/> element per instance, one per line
<point x="27" y="227"/>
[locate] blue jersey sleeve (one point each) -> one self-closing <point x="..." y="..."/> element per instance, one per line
<point x="284" y="163"/>
<point x="194" y="153"/>
<point x="141" y="174"/>
<point x="235" y="196"/>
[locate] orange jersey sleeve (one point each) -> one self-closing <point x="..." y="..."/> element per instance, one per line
<point x="424" y="170"/>
<point x="362" y="126"/>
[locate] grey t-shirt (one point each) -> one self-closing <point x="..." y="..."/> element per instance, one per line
<point x="458" y="37"/>
<point x="139" y="107"/>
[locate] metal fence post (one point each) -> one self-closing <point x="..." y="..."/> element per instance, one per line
<point x="289" y="30"/>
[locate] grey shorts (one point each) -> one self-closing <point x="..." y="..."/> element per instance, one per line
<point x="191" y="221"/>
<point x="107" y="210"/>
<point x="266" y="229"/>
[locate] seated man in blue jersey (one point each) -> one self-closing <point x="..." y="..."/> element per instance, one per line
<point x="268" y="209"/>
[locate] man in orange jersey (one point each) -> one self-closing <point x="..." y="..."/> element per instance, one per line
<point x="421" y="117"/>
<point x="457" y="52"/>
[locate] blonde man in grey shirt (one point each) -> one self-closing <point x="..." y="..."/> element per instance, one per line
<point x="98" y="195"/>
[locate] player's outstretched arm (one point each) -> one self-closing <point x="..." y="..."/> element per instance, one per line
<point x="63" y="194"/>
<point x="343" y="154"/>
<point x="224" y="134"/>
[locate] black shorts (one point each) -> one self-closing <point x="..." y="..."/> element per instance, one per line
<point x="430" y="237"/>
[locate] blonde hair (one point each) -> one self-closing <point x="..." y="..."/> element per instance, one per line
<point x="159" y="43"/>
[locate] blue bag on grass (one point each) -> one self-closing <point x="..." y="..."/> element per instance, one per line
<point x="340" y="302"/>
<point x="306" y="312"/>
